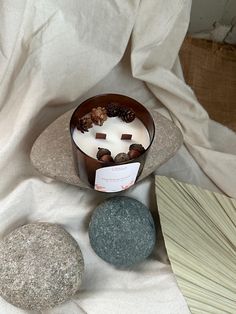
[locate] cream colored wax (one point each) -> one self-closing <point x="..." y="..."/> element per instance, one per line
<point x="114" y="128"/>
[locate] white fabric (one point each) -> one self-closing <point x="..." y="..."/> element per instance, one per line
<point x="54" y="52"/>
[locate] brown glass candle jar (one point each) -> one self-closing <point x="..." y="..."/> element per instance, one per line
<point x="88" y="167"/>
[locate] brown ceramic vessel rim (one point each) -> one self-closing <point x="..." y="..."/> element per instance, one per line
<point x="110" y="95"/>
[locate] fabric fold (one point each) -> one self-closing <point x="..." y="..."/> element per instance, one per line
<point x="153" y="61"/>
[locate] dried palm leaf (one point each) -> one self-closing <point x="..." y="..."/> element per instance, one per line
<point x="199" y="229"/>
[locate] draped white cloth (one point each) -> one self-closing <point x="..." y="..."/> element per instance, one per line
<point x="53" y="54"/>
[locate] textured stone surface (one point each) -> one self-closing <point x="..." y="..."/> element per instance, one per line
<point x="52" y="153"/>
<point x="41" y="266"/>
<point x="122" y="231"/>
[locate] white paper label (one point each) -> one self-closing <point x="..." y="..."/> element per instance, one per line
<point x="116" y="178"/>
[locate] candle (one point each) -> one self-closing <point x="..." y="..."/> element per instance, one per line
<point x="123" y="128"/>
<point x="113" y="128"/>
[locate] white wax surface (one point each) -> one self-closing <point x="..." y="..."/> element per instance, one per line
<point x="114" y="128"/>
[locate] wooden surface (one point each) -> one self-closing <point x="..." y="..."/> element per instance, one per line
<point x="210" y="69"/>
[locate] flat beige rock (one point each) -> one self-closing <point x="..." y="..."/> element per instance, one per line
<point x="52" y="156"/>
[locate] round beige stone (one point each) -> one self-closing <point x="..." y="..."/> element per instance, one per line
<point x="41" y="266"/>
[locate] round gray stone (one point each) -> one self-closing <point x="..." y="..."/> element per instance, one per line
<point x="122" y="231"/>
<point x="41" y="266"/>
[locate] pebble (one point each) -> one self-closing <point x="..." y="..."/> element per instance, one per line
<point x="41" y="266"/>
<point x="122" y="231"/>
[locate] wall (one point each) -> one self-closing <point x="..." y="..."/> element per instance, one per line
<point x="206" y="12"/>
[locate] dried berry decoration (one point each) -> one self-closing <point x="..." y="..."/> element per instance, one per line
<point x="99" y="115"/>
<point x="106" y="158"/>
<point x="135" y="150"/>
<point x="113" y="109"/>
<point x="138" y="147"/>
<point x="121" y="157"/>
<point x="84" y="124"/>
<point x="102" y="151"/>
<point x="127" y="114"/>
<point x="134" y="154"/>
